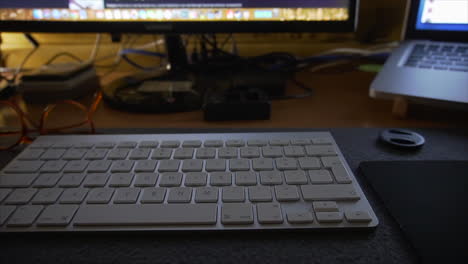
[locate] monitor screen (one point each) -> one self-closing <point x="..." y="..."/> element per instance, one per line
<point x="154" y="12"/>
<point x="443" y="15"/>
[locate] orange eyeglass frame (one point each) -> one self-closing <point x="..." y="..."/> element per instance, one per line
<point x="41" y="127"/>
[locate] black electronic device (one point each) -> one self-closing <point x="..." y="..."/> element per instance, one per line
<point x="241" y="103"/>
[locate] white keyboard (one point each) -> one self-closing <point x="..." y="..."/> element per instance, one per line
<point x="242" y="181"/>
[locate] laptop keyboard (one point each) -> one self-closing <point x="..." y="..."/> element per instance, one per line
<point x="250" y="181"/>
<point x="439" y="57"/>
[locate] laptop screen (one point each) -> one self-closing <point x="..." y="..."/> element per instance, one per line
<point x="443" y="15"/>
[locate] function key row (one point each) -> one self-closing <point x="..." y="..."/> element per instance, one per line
<point x="187" y="143"/>
<point x="179" y="153"/>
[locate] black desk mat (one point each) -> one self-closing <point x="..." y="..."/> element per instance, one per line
<point x="386" y="244"/>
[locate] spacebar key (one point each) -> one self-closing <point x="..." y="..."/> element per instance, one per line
<point x="147" y="214"/>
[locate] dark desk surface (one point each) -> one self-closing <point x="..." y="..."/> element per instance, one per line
<point x="385" y="244"/>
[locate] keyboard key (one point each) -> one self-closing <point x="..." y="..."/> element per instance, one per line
<point x="122" y="166"/>
<point x="148" y="144"/>
<point x="341" y="174"/>
<point x="47" y="180"/>
<point x="239" y="165"/>
<point x="179" y="195"/>
<point x="192" y="165"/>
<point x="25" y="215"/>
<point x="294" y="151"/>
<point x="105" y="145"/>
<point x="260" y="194"/>
<point x="220" y="178"/>
<point x="16" y="180"/>
<point x="96" y="154"/>
<point x="53" y="154"/>
<point x="169" y="179"/>
<point x="5" y="212"/>
<point x="99" y="165"/>
<point x="73" y="196"/>
<point x="227" y="153"/>
<point x="300" y="217"/>
<point x="76" y="166"/>
<point x="170" y="144"/>
<point x="237" y="213"/>
<point x="295" y="177"/>
<point x="269" y="213"/>
<point x="233" y="194"/>
<point x="23" y="166"/>
<point x="126" y="195"/>
<point x="279" y="142"/>
<point x="322" y="141"/>
<point x="21" y="196"/>
<point x="127" y="144"/>
<point x="246" y="178"/>
<point x="325" y="206"/>
<point x="262" y="164"/>
<point x="184" y="153"/>
<point x="196" y="179"/>
<point x="329" y="162"/>
<point x="340" y="192"/>
<point x="83" y="145"/>
<point x="100" y="196"/>
<point x="146" y="214"/>
<point x="272" y="152"/>
<point x="161" y="154"/>
<point x="206" y="153"/>
<point x="96" y="179"/>
<point x="74" y="154"/>
<point x="257" y="143"/>
<point x="235" y="143"/>
<point x="31" y="154"/>
<point x="286" y="193"/>
<point x="300" y="142"/>
<point x="213" y="143"/>
<point x="286" y="164"/>
<point x="169" y="165"/>
<point x="192" y="144"/>
<point x="271" y="177"/>
<point x="62" y="145"/>
<point x="250" y="152"/>
<point x="121" y="180"/>
<point x="357" y="216"/>
<point x="326" y="150"/>
<point x="329" y="217"/>
<point x="118" y="154"/>
<point x="153" y="195"/>
<point x="320" y="177"/>
<point x="309" y="163"/>
<point x="57" y="215"/>
<point x="215" y="165"/>
<point x="53" y="166"/>
<point x="146" y="179"/>
<point x="206" y="195"/>
<point x="47" y="196"/>
<point x="146" y="165"/>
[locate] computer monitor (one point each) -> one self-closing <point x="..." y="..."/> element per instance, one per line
<point x="178" y="16"/>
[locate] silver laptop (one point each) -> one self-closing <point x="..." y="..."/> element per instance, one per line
<point x="431" y="65"/>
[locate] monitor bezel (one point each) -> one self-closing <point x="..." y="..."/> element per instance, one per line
<point x="437" y="35"/>
<point x="185" y="27"/>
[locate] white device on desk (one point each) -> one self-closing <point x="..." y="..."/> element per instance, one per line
<point x="241" y="181"/>
<point x="431" y="66"/>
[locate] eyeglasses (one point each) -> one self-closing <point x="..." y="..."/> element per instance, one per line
<point x="17" y="127"/>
